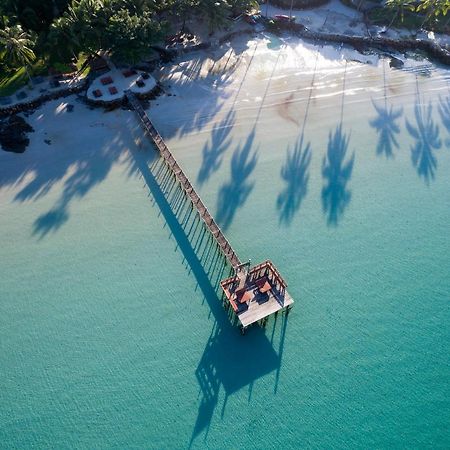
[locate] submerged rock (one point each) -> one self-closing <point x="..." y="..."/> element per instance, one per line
<point x="13" y="134"/>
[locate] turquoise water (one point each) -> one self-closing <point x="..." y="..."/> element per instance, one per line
<point x="110" y="331"/>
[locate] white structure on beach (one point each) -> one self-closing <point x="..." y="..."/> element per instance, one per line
<point x="110" y="86"/>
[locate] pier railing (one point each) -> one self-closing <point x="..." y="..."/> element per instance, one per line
<point x="184" y="182"/>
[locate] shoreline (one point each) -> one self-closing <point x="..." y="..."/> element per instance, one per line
<point x="433" y="51"/>
<point x="302" y="29"/>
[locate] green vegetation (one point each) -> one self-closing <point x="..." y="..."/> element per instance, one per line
<point x="14" y="79"/>
<point x="54" y="33"/>
<point x="413" y="14"/>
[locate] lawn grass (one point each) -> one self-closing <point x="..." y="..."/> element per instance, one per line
<point x="13" y="80"/>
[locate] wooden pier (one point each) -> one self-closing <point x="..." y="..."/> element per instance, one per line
<point x="253" y="294"/>
<point x="186" y="185"/>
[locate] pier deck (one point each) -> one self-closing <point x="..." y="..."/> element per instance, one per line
<point x="257" y="294"/>
<point x="253" y="294"/>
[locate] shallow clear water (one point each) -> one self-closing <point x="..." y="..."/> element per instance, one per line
<point x="110" y="331"/>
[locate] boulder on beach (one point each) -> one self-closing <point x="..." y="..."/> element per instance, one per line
<point x="13" y="134"/>
<point x="396" y="63"/>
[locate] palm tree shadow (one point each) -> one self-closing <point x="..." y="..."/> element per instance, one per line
<point x="90" y="170"/>
<point x="336" y="172"/>
<point x="186" y="73"/>
<point x="387" y="128"/>
<point x="295" y="174"/>
<point x="426" y="134"/>
<point x="444" y="112"/>
<point x="213" y="152"/>
<point x="234" y="193"/>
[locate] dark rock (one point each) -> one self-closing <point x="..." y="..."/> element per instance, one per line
<point x="13" y="134"/>
<point x="396" y="63"/>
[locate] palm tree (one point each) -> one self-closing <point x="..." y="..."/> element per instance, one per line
<point x="16" y="47"/>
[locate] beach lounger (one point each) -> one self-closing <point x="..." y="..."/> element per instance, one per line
<point x="112" y="90"/>
<point x="106" y="80"/>
<point x="97" y="93"/>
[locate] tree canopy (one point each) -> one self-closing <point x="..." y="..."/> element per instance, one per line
<point x="62" y="29"/>
<point x="59" y="30"/>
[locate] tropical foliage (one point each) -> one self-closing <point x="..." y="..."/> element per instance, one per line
<point x="16" y="47"/>
<point x="60" y="30"/>
<point x="431" y="8"/>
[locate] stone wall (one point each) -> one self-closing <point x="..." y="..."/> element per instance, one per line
<point x="33" y="104"/>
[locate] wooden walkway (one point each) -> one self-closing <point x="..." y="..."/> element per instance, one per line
<point x="186" y="185"/>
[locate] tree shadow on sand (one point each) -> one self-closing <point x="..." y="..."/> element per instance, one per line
<point x="49" y="165"/>
<point x="91" y="169"/>
<point x="426" y="135"/>
<point x="234" y="193"/>
<point x="213" y="150"/>
<point x="189" y="74"/>
<point x="295" y="174"/>
<point x="387" y="128"/>
<point x="336" y="173"/>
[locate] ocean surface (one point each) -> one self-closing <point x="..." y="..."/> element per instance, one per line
<point x="328" y="162"/>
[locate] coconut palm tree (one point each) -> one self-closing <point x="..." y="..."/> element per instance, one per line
<point x="16" y="47"/>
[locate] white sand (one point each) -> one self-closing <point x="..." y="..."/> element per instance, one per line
<point x="333" y="17"/>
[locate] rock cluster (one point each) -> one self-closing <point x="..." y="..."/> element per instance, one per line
<point x="13" y="134"/>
